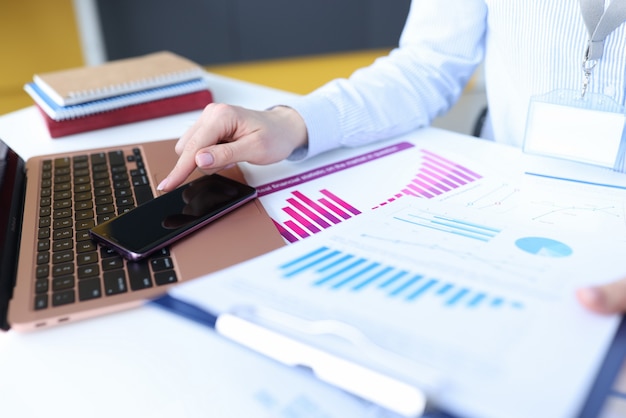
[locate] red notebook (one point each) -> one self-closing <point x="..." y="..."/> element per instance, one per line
<point x="149" y="110"/>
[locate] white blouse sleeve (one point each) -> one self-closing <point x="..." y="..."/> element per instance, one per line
<point x="439" y="49"/>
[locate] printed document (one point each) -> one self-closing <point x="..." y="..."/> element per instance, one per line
<point x="475" y="307"/>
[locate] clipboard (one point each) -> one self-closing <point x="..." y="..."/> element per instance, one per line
<point x="413" y="401"/>
<point x="604" y="386"/>
<point x="302" y="301"/>
<point x="357" y="379"/>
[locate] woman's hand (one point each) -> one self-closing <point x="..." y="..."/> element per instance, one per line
<point x="605" y="299"/>
<point x="225" y="135"/>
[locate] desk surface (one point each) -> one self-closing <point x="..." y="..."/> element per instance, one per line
<point x="146" y="362"/>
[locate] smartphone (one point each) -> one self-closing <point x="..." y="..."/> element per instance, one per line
<point x="171" y="216"/>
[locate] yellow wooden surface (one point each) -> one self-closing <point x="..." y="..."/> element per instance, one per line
<point x="42" y="35"/>
<point x="299" y="74"/>
<point x="35" y="36"/>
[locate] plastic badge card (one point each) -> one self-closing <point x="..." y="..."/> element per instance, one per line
<point x="563" y="124"/>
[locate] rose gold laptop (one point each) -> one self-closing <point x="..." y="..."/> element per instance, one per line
<point x="50" y="270"/>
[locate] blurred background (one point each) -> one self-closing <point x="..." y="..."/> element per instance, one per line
<point x="293" y="45"/>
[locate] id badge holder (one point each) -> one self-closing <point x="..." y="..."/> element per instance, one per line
<point x="588" y="129"/>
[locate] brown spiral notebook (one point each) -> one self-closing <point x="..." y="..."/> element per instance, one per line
<point x="114" y="78"/>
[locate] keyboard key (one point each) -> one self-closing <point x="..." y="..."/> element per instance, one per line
<point x="159" y="264"/>
<point x="62" y="213"/>
<point x="41" y="302"/>
<point x="64" y="233"/>
<point x="82" y="215"/>
<point x="104" y="200"/>
<point x="139" y="275"/>
<point x="43" y="233"/>
<point x="63" y="298"/>
<point x="85" y="247"/>
<point x="115" y="282"/>
<point x="62" y="223"/>
<point x="102" y="209"/>
<point x="42" y="271"/>
<point x="43" y="245"/>
<point x="63" y="257"/>
<point x="43" y="258"/>
<point x="62" y="204"/>
<point x="82" y="235"/>
<point x="116" y="158"/>
<point x="123" y="193"/>
<point x="101" y="183"/>
<point x="143" y="194"/>
<point x="89" y="270"/>
<point x="99" y="158"/>
<point x="63" y="245"/>
<point x="82" y="188"/>
<point x="61" y="162"/>
<point x="112" y="263"/>
<point x="165" y="277"/>
<point x="85" y="224"/>
<point x="45" y="222"/>
<point x="84" y="204"/>
<point x="79" y="197"/>
<point x="41" y="286"/>
<point x="88" y="258"/>
<point x="62" y="283"/>
<point x="89" y="289"/>
<point x="62" y="269"/>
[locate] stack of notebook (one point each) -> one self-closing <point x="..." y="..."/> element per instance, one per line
<point x="123" y="91"/>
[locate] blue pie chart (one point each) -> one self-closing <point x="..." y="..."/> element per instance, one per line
<point x="545" y="247"/>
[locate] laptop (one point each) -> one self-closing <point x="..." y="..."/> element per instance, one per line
<point x="52" y="273"/>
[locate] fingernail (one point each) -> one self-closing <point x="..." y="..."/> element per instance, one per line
<point x="204" y="160"/>
<point x="162" y="185"/>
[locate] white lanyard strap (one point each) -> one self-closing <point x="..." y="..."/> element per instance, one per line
<point x="601" y="23"/>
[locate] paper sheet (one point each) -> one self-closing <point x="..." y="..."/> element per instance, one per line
<point x="492" y="310"/>
<point x="485" y="299"/>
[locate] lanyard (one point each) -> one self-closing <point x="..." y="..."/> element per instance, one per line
<point x="600" y="23"/>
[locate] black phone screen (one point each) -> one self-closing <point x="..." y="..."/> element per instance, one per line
<point x="161" y="221"/>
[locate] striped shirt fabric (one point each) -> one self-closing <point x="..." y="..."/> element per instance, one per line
<point x="529" y="48"/>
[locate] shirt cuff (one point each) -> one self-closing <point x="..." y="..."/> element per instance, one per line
<point x="320" y="117"/>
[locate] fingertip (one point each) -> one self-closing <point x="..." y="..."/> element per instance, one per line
<point x="593" y="299"/>
<point x="163" y="184"/>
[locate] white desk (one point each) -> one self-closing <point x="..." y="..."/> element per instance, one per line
<point x="146" y="362"/>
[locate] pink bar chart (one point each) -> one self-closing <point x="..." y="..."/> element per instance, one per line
<point x="311" y="215"/>
<point x="435" y="176"/>
<point x="307" y="205"/>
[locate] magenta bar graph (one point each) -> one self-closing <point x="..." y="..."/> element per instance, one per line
<point x="308" y="216"/>
<point x="335" y="271"/>
<point x="435" y="176"/>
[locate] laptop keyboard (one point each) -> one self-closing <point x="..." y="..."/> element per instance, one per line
<point x="77" y="193"/>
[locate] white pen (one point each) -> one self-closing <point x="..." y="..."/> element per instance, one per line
<point x="380" y="389"/>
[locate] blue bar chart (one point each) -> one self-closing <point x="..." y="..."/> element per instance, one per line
<point x="335" y="270"/>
